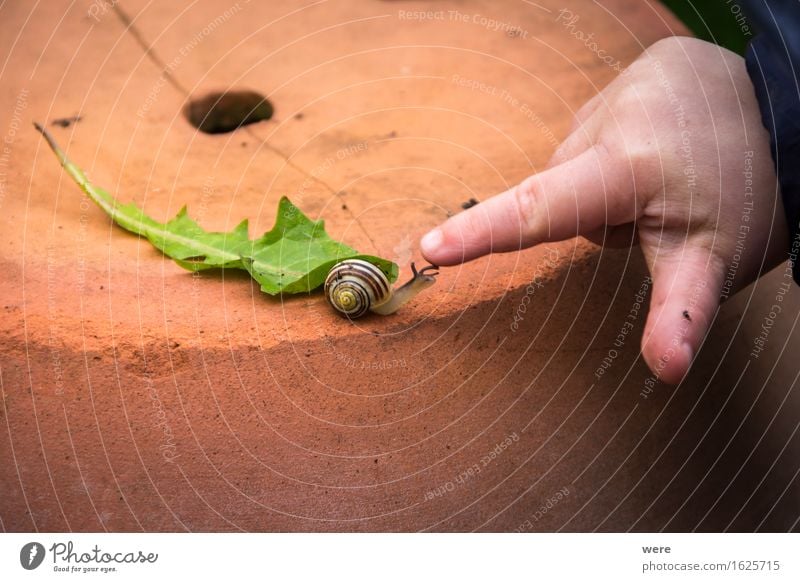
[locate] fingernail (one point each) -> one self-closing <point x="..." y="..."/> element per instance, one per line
<point x="432" y="241"/>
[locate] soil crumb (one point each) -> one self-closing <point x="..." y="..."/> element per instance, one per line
<point x="65" y="121"/>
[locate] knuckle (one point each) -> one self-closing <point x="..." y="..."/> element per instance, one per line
<point x="668" y="45"/>
<point x="661" y="45"/>
<point x="561" y="155"/>
<point x="640" y="158"/>
<point x="530" y="205"/>
<point x="628" y="99"/>
<point x="586" y="110"/>
<point x="634" y="176"/>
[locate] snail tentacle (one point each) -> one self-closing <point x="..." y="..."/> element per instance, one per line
<point x="402" y="295"/>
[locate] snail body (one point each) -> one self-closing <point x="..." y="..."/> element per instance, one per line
<point x="354" y="287"/>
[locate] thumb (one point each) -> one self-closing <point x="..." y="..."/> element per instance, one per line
<point x="686" y="291"/>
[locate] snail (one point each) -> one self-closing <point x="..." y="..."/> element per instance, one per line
<point x="355" y="286"/>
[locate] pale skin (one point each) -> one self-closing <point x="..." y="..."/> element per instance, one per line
<point x="657" y="158"/>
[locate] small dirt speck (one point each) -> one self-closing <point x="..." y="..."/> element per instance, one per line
<point x="686" y="315"/>
<point x="299" y="116"/>
<point x="344" y="206"/>
<point x="469" y="203"/>
<point x="65" y="121"/>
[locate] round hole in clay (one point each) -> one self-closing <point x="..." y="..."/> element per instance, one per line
<point x="222" y="112"/>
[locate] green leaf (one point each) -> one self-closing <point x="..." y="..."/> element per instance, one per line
<point x="294" y="257"/>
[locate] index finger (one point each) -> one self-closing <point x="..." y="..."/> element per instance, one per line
<point x="572" y="198"/>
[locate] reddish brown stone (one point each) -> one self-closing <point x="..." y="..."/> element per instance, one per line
<point x="138" y="397"/>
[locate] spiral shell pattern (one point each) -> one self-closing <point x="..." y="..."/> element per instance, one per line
<point x="354" y="286"/>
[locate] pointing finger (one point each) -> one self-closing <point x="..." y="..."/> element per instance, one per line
<point x="577" y="196"/>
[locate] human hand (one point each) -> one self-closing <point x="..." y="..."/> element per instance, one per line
<point x="659" y="156"/>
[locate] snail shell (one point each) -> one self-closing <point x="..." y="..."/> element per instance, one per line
<point x="355" y="286"/>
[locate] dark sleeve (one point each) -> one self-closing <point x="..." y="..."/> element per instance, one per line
<point x="773" y="63"/>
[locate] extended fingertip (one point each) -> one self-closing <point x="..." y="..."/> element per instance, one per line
<point x="670" y="364"/>
<point x="678" y="366"/>
<point x="431" y="242"/>
<point x="431" y="245"/>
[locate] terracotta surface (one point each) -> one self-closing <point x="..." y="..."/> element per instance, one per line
<point x="138" y="397"/>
